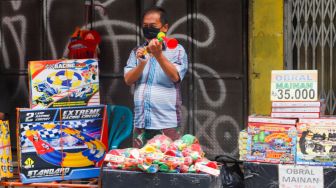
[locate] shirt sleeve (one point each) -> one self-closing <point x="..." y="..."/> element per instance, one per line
<point x="181" y="62"/>
<point x="131" y="62"/>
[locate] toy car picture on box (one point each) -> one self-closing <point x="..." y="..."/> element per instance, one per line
<point x="63" y="83"/>
<point x="61" y="143"/>
<point x="271" y="143"/>
<point x="316" y="144"/>
<point x="6" y="170"/>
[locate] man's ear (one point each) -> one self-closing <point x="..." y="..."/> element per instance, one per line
<point x="164" y="28"/>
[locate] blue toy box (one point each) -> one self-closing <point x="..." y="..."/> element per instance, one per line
<point x="61" y="143"/>
<point x="271" y="143"/>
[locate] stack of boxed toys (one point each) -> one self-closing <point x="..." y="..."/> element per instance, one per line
<point x="63" y="134"/>
<point x="304" y="141"/>
<point x="298" y="109"/>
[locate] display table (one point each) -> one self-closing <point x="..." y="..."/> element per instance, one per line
<point x="121" y="178"/>
<point x="266" y="175"/>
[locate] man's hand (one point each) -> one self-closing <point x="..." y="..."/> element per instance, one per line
<point x="141" y="55"/>
<point x="155" y="47"/>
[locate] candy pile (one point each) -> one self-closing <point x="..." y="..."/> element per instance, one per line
<point x="161" y="154"/>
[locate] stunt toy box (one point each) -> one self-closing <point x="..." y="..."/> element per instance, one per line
<point x="61" y="143"/>
<point x="63" y="83"/>
<point x="271" y="143"/>
<point x="316" y="144"/>
<point x="6" y="170"/>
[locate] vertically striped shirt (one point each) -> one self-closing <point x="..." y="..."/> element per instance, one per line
<point x="157" y="99"/>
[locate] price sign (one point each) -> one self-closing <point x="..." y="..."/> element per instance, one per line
<point x="291" y="176"/>
<point x="294" y="85"/>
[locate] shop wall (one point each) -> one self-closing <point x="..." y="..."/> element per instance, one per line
<point x="213" y="33"/>
<point x="265" y="51"/>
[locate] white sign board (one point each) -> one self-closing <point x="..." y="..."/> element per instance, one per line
<point x="295" y="176"/>
<point x="294" y="85"/>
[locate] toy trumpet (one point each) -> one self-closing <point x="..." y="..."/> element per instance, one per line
<point x="161" y="36"/>
<point x="171" y="42"/>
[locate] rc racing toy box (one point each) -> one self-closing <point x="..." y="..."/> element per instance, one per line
<point x="61" y="143"/>
<point x="63" y="83"/>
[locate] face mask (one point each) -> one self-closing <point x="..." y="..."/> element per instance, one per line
<point x="150" y="32"/>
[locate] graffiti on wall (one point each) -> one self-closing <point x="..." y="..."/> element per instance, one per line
<point x="16" y="25"/>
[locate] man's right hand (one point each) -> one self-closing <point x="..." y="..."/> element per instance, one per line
<point x="142" y="55"/>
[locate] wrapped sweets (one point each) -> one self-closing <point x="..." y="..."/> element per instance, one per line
<point x="184" y="155"/>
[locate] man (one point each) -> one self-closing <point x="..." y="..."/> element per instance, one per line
<point x="157" y="76"/>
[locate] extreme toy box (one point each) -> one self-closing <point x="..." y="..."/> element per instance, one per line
<point x="61" y="143"/>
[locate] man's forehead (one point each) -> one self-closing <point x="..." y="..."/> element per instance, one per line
<point x="152" y="17"/>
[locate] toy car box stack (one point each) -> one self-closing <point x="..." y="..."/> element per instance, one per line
<point x="61" y="143"/>
<point x="6" y="170"/>
<point x="316" y="143"/>
<point x="271" y="140"/>
<point x="63" y="83"/>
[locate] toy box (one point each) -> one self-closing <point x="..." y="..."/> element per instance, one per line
<point x="271" y="143"/>
<point x="316" y="143"/>
<point x="6" y="170"/>
<point x="63" y="83"/>
<point x="61" y="143"/>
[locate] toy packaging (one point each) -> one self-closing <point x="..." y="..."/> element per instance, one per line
<point x="242" y="144"/>
<point x="63" y="83"/>
<point x="271" y="143"/>
<point x="316" y="143"/>
<point x="6" y="170"/>
<point x="61" y="143"/>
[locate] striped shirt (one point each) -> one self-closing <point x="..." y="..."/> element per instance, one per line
<point x="157" y="99"/>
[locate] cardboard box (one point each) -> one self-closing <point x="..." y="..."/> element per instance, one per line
<point x="271" y="143"/>
<point x="267" y="119"/>
<point x="61" y="143"/>
<point x="316" y="143"/>
<point x="63" y="83"/>
<point x="296" y="103"/>
<point x="295" y="115"/>
<point x="6" y="170"/>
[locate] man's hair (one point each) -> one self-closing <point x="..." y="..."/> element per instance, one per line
<point x="156" y="9"/>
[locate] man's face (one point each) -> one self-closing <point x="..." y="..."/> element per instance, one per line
<point x="153" y="20"/>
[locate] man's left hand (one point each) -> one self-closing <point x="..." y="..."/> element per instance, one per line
<point x="155" y="47"/>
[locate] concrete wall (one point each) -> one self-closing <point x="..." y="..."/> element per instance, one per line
<point x="265" y="51"/>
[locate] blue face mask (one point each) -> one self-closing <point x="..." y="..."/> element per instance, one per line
<point x="150" y="32"/>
